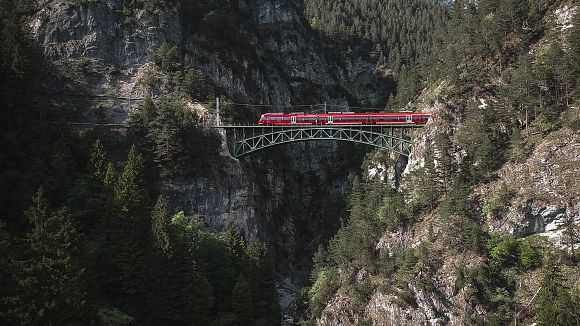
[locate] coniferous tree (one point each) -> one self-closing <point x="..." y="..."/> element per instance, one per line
<point x="49" y="289"/>
<point x="130" y="227"/>
<point x="236" y="245"/>
<point x="555" y="306"/>
<point x="571" y="235"/>
<point x="242" y="304"/>
<point x="98" y="163"/>
<point x="160" y="221"/>
<point x="129" y="191"/>
<point x="260" y="277"/>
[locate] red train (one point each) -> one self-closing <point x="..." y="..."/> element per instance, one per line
<point x="350" y="118"/>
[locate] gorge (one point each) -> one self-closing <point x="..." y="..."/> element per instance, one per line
<point x="160" y="225"/>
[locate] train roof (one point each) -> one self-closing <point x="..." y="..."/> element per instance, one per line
<point x="355" y="113"/>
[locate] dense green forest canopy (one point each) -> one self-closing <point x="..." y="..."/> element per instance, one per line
<point x="399" y="31"/>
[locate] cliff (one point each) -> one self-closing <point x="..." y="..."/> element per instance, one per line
<point x="258" y="52"/>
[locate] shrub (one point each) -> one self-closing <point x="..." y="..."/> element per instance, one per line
<point x="498" y="199"/>
<point x="324" y="287"/>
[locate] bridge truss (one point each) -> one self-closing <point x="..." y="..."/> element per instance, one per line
<point x="246" y="139"/>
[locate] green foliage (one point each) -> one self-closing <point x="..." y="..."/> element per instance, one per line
<point x="426" y="190"/>
<point x="483" y="144"/>
<point x="408" y="87"/>
<point x="359" y="294"/>
<point x="407" y="269"/>
<point x="49" y="281"/>
<point x="129" y="7"/>
<point x="191" y="83"/>
<point x="98" y="163"/>
<point x="114" y="317"/>
<point x="165" y="57"/>
<point x="129" y="192"/>
<point x="529" y="257"/>
<point x="571" y="234"/>
<point x="160" y="226"/>
<point x="506" y="252"/>
<point x="242" y="302"/>
<point x="554" y="304"/>
<point x="398" y="31"/>
<point x="170" y="134"/>
<point x="257" y="268"/>
<point x="188" y="82"/>
<point x="16" y="37"/>
<point x="394" y="212"/>
<point x="325" y="285"/>
<point x="503" y="251"/>
<point x="498" y="200"/>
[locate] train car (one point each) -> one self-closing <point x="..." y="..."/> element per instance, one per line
<point x="350" y="118"/>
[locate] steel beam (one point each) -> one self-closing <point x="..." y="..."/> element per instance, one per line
<point x="246" y="139"/>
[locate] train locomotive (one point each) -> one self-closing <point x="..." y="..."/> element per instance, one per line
<point x="350" y="118"/>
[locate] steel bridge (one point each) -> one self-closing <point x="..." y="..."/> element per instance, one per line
<point x="246" y="139"/>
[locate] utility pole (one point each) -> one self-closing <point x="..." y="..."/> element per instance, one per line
<point x="325" y="107"/>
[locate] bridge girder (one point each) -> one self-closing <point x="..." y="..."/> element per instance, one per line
<point x="244" y="140"/>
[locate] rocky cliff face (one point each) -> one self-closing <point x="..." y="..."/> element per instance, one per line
<point x="544" y="189"/>
<point x="291" y="199"/>
<point x="280" y="56"/>
<point x="543" y="195"/>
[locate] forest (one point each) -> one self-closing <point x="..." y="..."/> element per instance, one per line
<point x="488" y="50"/>
<point x="86" y="237"/>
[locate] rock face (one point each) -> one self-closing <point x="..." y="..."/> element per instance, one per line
<point x="290" y="197"/>
<point x="542" y="197"/>
<point x="545" y="189"/>
<point x="280" y="59"/>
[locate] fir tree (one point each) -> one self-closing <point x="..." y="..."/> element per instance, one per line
<point x="555" y="306"/>
<point x="49" y="289"/>
<point x="130" y="227"/>
<point x="242" y="304"/>
<point x="260" y="277"/>
<point x="98" y="162"/>
<point x="571" y="235"/>
<point x="236" y="245"/>
<point x="160" y="221"/>
<point x="129" y="192"/>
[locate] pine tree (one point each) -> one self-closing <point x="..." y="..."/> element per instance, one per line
<point x="49" y="289"/>
<point x="130" y="227"/>
<point x="571" y="235"/>
<point x="160" y="220"/>
<point x="109" y="183"/>
<point x="236" y="245"/>
<point x="178" y="292"/>
<point x="98" y="162"/>
<point x="129" y="191"/>
<point x="242" y="304"/>
<point x="260" y="277"/>
<point x="555" y="306"/>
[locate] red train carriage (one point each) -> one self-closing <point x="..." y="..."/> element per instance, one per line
<point x="344" y="118"/>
